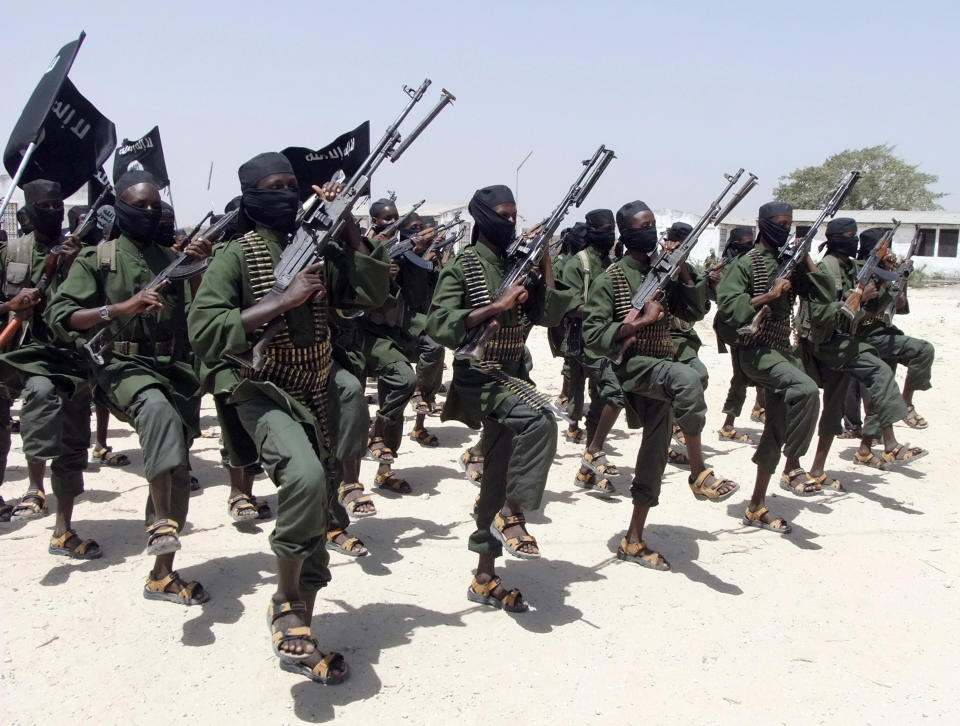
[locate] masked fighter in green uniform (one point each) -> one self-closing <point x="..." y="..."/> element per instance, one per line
<point x="55" y="414"/>
<point x="834" y="353"/>
<point x="281" y="411"/>
<point x="656" y="386"/>
<point x="519" y="439"/>
<point x="147" y="380"/>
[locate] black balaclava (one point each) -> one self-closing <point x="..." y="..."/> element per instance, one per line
<point x="138" y="224"/>
<point x="602" y="239"/>
<point x="23" y="219"/>
<point x="868" y="240"/>
<point x="232" y="230"/>
<point x="48" y="222"/>
<point x="497" y="230"/>
<point x="776" y="234"/>
<point x="273" y="208"/>
<point x="739" y="242"/>
<point x="837" y="240"/>
<point x="678" y="231"/>
<point x="376" y="209"/>
<point x="640" y="240"/>
<point x="428" y="221"/>
<point x="412" y="226"/>
<point x="166" y="234"/>
<point x="575" y="239"/>
<point x="75" y="217"/>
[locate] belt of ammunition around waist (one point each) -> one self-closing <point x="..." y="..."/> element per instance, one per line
<point x="301" y="371"/>
<point x="652" y="340"/>
<point x="772" y="332"/>
<point x="506" y="344"/>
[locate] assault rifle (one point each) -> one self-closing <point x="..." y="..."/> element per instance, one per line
<point x="404" y="248"/>
<point x="178" y="269"/>
<point x="900" y="281"/>
<point x="871" y="268"/>
<point x="50" y="267"/>
<point x="394" y="227"/>
<point x="666" y="264"/>
<point x="792" y="255"/>
<point x="323" y="221"/>
<point x="525" y="252"/>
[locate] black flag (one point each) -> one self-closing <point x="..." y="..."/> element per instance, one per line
<point x="144" y="153"/>
<point x="74" y="140"/>
<point x="346" y="152"/>
<point x="35" y="112"/>
<point x="98" y="182"/>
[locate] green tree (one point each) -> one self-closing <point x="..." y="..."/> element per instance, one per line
<point x="888" y="182"/>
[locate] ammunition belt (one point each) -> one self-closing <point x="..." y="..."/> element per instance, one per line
<point x="652" y="340"/>
<point x="506" y="344"/>
<point x="524" y="390"/>
<point x="772" y="332"/>
<point x="301" y="371"/>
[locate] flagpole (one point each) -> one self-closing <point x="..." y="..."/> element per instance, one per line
<point x="15" y="181"/>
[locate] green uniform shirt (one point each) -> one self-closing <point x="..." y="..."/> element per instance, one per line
<point x="600" y="326"/>
<point x="474" y="394"/>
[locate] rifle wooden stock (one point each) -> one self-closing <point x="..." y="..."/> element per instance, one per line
<point x="851" y="306"/>
<point x="753" y="327"/>
<point x="10" y="331"/>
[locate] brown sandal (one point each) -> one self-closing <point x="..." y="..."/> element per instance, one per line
<point x="471" y="465"/>
<point x="279" y="636"/>
<point x="711" y="491"/>
<point x="755" y="519"/>
<point x="634" y="553"/>
<point x="800" y="487"/>
<point x="734" y="437"/>
<point x="512" y="602"/>
<point x="590" y="482"/>
<point x="352" y="547"/>
<point x="32" y="505"/>
<point x="598" y="464"/>
<point x="190" y="594"/>
<point x="424" y="438"/>
<point x="242" y="508"/>
<point x="87" y="549"/>
<point x="392" y="483"/>
<point x="513" y="544"/>
<point x="379" y="451"/>
<point x="163" y="529"/>
<point x="914" y="420"/>
<point x="352" y="504"/>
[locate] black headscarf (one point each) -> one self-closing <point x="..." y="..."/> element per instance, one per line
<point x="574" y="239"/>
<point x="837" y="240"/>
<point x="678" y="231"/>
<point x="75" y="216"/>
<point x="275" y="209"/>
<point x="166" y="234"/>
<point x="776" y="234"/>
<point x="497" y="230"/>
<point x="136" y="223"/>
<point x="46" y="221"/>
<point x="641" y="240"/>
<point x="428" y="221"/>
<point x="597" y="233"/>
<point x="737" y="242"/>
<point x="868" y="240"/>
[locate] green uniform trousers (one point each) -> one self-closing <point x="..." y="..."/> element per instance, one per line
<point x="737" y="392"/>
<point x="916" y="354"/>
<point x="885" y="401"/>
<point x="429" y="366"/>
<point x="603" y="386"/>
<point x="294" y="462"/>
<point x="56" y="428"/>
<point x="792" y="403"/>
<point x="701" y="370"/>
<point x="5" y="422"/>
<point x="519" y="445"/>
<point x="396" y="383"/>
<point x="164" y="445"/>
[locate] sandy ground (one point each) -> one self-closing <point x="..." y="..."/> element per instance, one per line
<point x="852" y="618"/>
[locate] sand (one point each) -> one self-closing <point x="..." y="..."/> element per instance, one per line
<point x="850" y="619"/>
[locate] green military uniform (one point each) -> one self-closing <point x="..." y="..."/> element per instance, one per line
<point x="655" y="385"/>
<point x="520" y="440"/>
<point x="892" y="345"/>
<point x="416" y="287"/>
<point x="55" y="413"/>
<point x="686" y="342"/>
<point x="147" y="380"/>
<point x="577" y="275"/>
<point x="283" y="411"/>
<point x="833" y="353"/>
<point x="766" y="359"/>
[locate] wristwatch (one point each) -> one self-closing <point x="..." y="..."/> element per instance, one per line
<point x="105" y="312"/>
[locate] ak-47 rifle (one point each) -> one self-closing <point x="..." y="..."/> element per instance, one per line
<point x="666" y="264"/>
<point x="404" y="248"/>
<point x="524" y="253"/>
<point x="900" y="281"/>
<point x="442" y="240"/>
<point x="178" y="269"/>
<point x="792" y="256"/>
<point x="50" y="267"/>
<point x="871" y="268"/>
<point x="323" y="221"/>
<point x="394" y="227"/>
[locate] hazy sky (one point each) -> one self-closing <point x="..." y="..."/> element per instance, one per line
<point x="682" y="91"/>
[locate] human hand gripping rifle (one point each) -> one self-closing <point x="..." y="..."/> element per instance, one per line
<point x="793" y="255"/>
<point x="903" y="271"/>
<point x="871" y="268"/>
<point x="324" y="220"/>
<point x="665" y="265"/>
<point x="406" y="247"/>
<point x="525" y="252"/>
<point x="50" y="267"/>
<point x="394" y="227"/>
<point x="180" y="268"/>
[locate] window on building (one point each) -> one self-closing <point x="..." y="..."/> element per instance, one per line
<point x="9" y="222"/>
<point x="928" y="243"/>
<point x="948" y="243"/>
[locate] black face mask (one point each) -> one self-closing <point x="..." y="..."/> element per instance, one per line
<point x="380" y="226"/>
<point x="165" y="235"/>
<point x="843" y="244"/>
<point x="640" y="240"/>
<point x="602" y="239"/>
<point x="410" y="232"/>
<point x="47" y="222"/>
<point x="496" y="229"/>
<point x="273" y="208"/>
<point x="138" y="224"/>
<point x="775" y="234"/>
